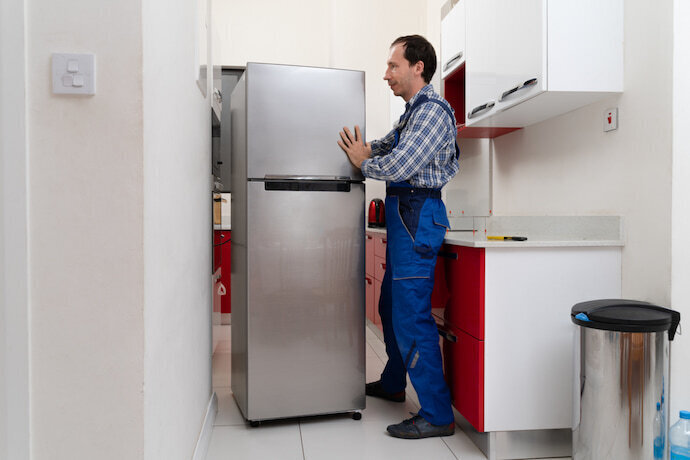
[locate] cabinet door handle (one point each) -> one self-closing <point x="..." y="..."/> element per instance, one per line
<point x="529" y="83"/>
<point x="448" y="255"/>
<point x="447" y="335"/>
<point x="369" y="281"/>
<point x="452" y="60"/>
<point x="369" y="237"/>
<point x="383" y="266"/>
<point x="384" y="241"/>
<point x="480" y="108"/>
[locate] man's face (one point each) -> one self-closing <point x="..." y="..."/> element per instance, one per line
<point x="400" y="74"/>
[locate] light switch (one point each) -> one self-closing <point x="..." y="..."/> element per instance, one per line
<point x="78" y="81"/>
<point x="74" y="73"/>
<point x="73" y="66"/>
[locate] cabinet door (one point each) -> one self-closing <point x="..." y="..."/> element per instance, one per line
<point x="439" y="296"/>
<point x="480" y="63"/>
<point x="226" y="269"/>
<point x="379" y="268"/>
<point x="369" y="289"/>
<point x="380" y="243"/>
<point x="217" y="248"/>
<point x="377" y="296"/>
<point x="369" y="255"/>
<point x="453" y="39"/>
<point x="465" y="278"/>
<point x="463" y="357"/>
<point x="506" y="55"/>
<point x="520" y="50"/>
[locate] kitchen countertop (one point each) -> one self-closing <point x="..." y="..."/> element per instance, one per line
<point x="557" y="231"/>
<point x="224" y="223"/>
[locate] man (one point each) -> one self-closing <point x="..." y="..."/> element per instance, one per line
<point x="417" y="158"/>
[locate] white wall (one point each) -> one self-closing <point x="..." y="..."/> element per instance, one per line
<point x="349" y="34"/>
<point x="177" y="233"/>
<point x="86" y="238"/>
<point x="14" y="313"/>
<point x="680" y="273"/>
<point x="120" y="234"/>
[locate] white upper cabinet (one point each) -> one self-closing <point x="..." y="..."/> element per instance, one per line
<point x="531" y="60"/>
<point x="453" y="39"/>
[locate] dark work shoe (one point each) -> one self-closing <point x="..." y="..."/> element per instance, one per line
<point x="376" y="389"/>
<point x="418" y="428"/>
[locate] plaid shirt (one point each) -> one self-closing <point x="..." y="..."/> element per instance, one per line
<point x="425" y="154"/>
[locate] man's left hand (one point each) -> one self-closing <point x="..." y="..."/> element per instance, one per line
<point x="353" y="145"/>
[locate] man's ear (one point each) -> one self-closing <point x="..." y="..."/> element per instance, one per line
<point x="419" y="67"/>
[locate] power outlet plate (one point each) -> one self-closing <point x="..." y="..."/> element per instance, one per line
<point x="74" y="73"/>
<point x="610" y="119"/>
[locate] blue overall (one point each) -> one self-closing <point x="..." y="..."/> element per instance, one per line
<point x="417" y="222"/>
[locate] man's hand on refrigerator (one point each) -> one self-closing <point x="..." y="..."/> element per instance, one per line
<point x="353" y="145"/>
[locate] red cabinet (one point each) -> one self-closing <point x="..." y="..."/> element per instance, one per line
<point x="375" y="265"/>
<point x="376" y="243"/>
<point x="369" y="252"/>
<point x="222" y="247"/>
<point x="369" y="291"/>
<point x="461" y="324"/>
<point x="376" y="260"/>
<point x="465" y="278"/>
<point x="464" y="369"/>
<point x="454" y="93"/>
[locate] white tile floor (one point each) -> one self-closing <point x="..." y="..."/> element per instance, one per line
<point x="333" y="437"/>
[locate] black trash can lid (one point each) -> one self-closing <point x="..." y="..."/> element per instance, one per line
<point x="625" y="316"/>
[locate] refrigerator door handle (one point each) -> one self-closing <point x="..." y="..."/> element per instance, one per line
<point x="308" y="178"/>
<point x="292" y="185"/>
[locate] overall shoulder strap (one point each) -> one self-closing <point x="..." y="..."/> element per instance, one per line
<point x="422" y="100"/>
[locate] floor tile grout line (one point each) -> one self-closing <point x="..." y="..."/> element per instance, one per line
<point x="451" y="450"/>
<point x="301" y="439"/>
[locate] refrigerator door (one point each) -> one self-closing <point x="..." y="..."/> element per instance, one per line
<point x="294" y="115"/>
<point x="305" y="315"/>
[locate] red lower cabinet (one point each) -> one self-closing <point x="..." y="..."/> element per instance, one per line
<point x="377" y="295"/>
<point x="369" y="254"/>
<point x="369" y="291"/>
<point x="465" y="278"/>
<point x="463" y="358"/>
<point x="375" y="265"/>
<point x="223" y="248"/>
<point x="439" y="296"/>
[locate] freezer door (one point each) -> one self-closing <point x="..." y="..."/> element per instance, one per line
<point x="294" y="115"/>
<point x="305" y="302"/>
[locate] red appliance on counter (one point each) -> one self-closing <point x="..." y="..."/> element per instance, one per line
<point x="377" y="214"/>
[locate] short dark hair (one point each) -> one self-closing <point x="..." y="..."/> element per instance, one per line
<point x="417" y="48"/>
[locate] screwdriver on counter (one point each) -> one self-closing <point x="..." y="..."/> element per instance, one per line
<point x="511" y="238"/>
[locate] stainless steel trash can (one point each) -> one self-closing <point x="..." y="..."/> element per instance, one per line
<point x="622" y="355"/>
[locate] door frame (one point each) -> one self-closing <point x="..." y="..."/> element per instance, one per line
<point x="14" y="227"/>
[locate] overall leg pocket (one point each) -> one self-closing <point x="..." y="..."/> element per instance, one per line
<point x="415" y="260"/>
<point x="432" y="229"/>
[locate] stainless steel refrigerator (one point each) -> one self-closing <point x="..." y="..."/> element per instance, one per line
<point x="297" y="243"/>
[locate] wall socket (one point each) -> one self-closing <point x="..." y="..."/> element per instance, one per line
<point x="74" y="73"/>
<point x="610" y="119"/>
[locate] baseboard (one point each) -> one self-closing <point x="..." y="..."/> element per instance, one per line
<point x="204" y="439"/>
